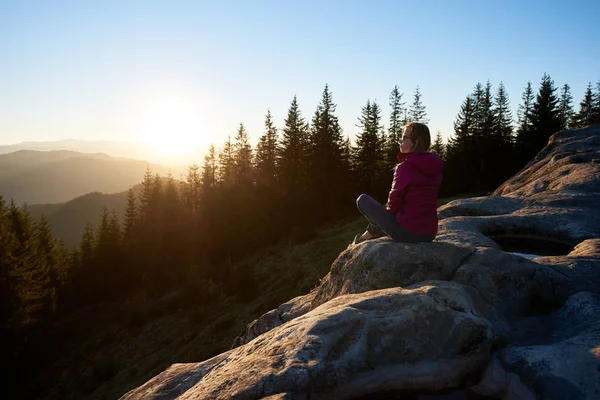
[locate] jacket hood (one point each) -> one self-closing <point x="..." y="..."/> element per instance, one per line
<point x="428" y="163"/>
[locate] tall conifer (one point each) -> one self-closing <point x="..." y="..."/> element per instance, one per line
<point x="242" y="157"/>
<point x="227" y="163"/>
<point x="438" y="146"/>
<point x="266" y="154"/>
<point x="565" y="107"/>
<point x="292" y="166"/>
<point x="586" y="109"/>
<point x="369" y="154"/>
<point x="417" y="111"/>
<point x="397" y="120"/>
<point x="503" y="129"/>
<point x="209" y="170"/>
<point x="326" y="157"/>
<point x="545" y="117"/>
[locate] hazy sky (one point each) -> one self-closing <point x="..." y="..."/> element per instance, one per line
<point x="189" y="72"/>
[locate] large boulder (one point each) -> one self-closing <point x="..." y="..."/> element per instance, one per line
<point x="466" y="312"/>
<point x="421" y="339"/>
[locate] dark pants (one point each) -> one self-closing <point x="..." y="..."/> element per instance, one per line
<point x="381" y="222"/>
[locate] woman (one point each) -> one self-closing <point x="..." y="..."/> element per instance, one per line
<point x="410" y="214"/>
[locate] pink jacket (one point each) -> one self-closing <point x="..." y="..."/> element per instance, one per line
<point x="413" y="196"/>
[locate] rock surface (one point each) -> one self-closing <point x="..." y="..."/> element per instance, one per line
<point x="461" y="313"/>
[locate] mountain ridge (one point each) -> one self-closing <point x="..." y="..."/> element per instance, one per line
<point x="37" y="177"/>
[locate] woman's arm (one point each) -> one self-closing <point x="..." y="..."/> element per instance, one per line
<point x="399" y="184"/>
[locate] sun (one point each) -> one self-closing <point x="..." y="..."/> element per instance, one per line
<point x="172" y="126"/>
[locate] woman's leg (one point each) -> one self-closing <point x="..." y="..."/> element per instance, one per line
<point x="381" y="219"/>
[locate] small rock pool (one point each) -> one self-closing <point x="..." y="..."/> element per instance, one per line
<point x="530" y="246"/>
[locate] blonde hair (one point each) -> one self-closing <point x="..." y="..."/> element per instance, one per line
<point x="419" y="134"/>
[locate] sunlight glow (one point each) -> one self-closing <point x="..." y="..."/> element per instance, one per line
<point x="172" y="126"/>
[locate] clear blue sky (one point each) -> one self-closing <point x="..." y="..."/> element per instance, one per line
<point x="108" y="70"/>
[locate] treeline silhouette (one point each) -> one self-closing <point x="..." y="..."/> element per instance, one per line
<point x="242" y="199"/>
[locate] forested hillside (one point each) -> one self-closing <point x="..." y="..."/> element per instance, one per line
<point x="194" y="233"/>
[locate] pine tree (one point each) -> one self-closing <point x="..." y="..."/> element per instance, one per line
<point x="242" y="157"/>
<point x="596" y="113"/>
<point x="478" y="112"/>
<point x="157" y="196"/>
<point x="146" y="195"/>
<point x="266" y="154"/>
<point x="525" y="122"/>
<point x="131" y="217"/>
<point x="369" y="155"/>
<point x="503" y="129"/>
<point x="417" y="112"/>
<point x="171" y="196"/>
<point x="226" y="163"/>
<point x="292" y="166"/>
<point x="524" y="112"/>
<point x="586" y="109"/>
<point x="8" y="278"/>
<point x="209" y="170"/>
<point x="191" y="190"/>
<point x="326" y="158"/>
<point x="487" y="114"/>
<point x="87" y="247"/>
<point x="461" y="154"/>
<point x="438" y="146"/>
<point x="397" y="120"/>
<point x="464" y="127"/>
<point x="46" y="273"/>
<point x="545" y="116"/>
<point x="565" y="107"/>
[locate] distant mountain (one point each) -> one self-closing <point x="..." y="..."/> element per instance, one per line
<point x="68" y="220"/>
<point x="58" y="176"/>
<point x="115" y="149"/>
<point x="132" y="150"/>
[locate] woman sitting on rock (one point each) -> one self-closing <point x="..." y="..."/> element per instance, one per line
<point x="410" y="214"/>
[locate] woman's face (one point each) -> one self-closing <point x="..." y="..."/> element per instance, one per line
<point x="406" y="144"/>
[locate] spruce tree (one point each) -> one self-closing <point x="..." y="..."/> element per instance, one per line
<point x="292" y="166"/>
<point x="145" y="198"/>
<point x="87" y="247"/>
<point x="503" y="129"/>
<point x="242" y="157"/>
<point x="478" y="111"/>
<point x="46" y="274"/>
<point x="524" y="111"/>
<point x="438" y="146"/>
<point x="131" y="217"/>
<point x="596" y="113"/>
<point x="545" y="117"/>
<point x="8" y="279"/>
<point x="266" y="154"/>
<point x="525" y="124"/>
<point x="397" y="121"/>
<point x="565" y="107"/>
<point x="417" y="111"/>
<point x="369" y="154"/>
<point x="460" y="151"/>
<point x="226" y="163"/>
<point x="191" y="190"/>
<point x="326" y="159"/>
<point x="171" y="196"/>
<point x="487" y="110"/>
<point x="209" y="170"/>
<point x="464" y="127"/>
<point x="586" y="109"/>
